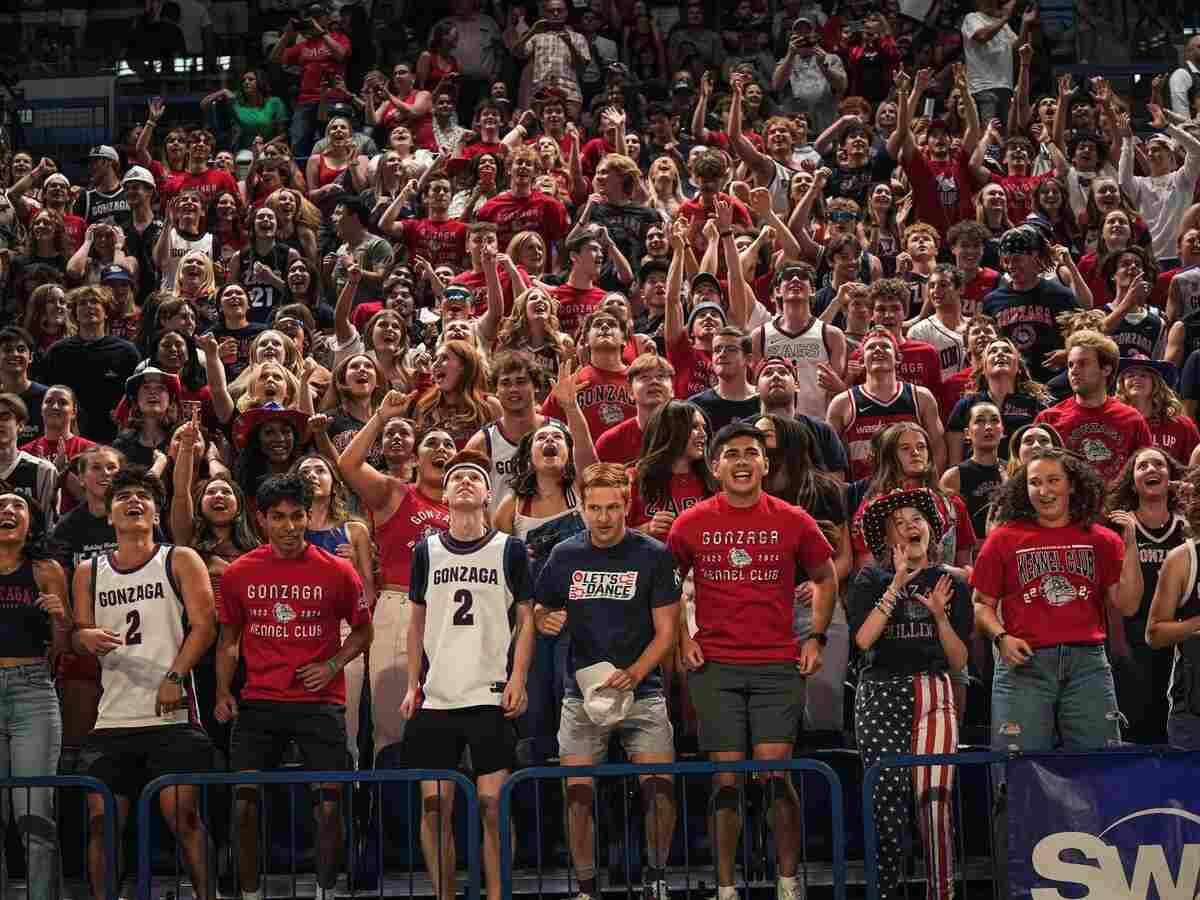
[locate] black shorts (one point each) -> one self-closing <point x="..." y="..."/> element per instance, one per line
<point x="435" y="739"/>
<point x="263" y="730"/>
<point x="127" y="759"/>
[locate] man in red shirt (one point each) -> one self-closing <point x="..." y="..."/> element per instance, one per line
<point x="603" y="386"/>
<point x="1100" y="428"/>
<point x="919" y="362"/>
<point x="967" y="241"/>
<point x="522" y="208"/>
<point x="942" y="195"/>
<point x="487" y="120"/>
<point x="199" y="175"/>
<point x="650" y="378"/>
<point x="281" y="610"/>
<point x="322" y="56"/>
<point x="482" y="242"/>
<point x="578" y="295"/>
<point x="708" y="171"/>
<point x="437" y="238"/>
<point x="748" y="551"/>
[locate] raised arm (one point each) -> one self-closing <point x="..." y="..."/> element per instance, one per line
<point x="221" y="400"/>
<point x="673" y="324"/>
<point x="739" y="291"/>
<point x="343" y="329"/>
<point x="373" y="486"/>
<point x="182" y="507"/>
<point x="760" y="165"/>
<point x="798" y="222"/>
<point x="1019" y="111"/>
<point x="700" y="113"/>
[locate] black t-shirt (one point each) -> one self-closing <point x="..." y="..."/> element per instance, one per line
<point x="244" y="336"/>
<point x="720" y="412"/>
<point x="80" y="536"/>
<point x="909" y="643"/>
<point x="627" y="225"/>
<point x="1029" y="320"/>
<point x="96" y="371"/>
<point x="1016" y="410"/>
<point x="609" y="594"/>
<point x="32" y="429"/>
<point x="140" y="245"/>
<point x="855" y="183"/>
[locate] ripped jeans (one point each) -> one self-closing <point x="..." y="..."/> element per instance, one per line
<point x="1063" y="697"/>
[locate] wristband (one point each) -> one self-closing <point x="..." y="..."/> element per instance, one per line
<point x="820" y="637"/>
<point x="725" y="232"/>
<point x="998" y="638"/>
<point x="332" y="666"/>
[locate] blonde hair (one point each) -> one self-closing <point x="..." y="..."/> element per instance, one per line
<point x="208" y="286"/>
<point x="1107" y="352"/>
<point x="248" y="398"/>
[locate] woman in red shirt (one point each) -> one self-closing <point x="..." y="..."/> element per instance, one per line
<point x="438" y="61"/>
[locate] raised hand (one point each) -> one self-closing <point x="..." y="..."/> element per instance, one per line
<point x="566" y="386"/>
<point x="939" y="598"/>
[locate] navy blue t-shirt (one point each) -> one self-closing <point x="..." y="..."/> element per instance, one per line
<point x="1030" y="320"/>
<point x="609" y="594"/>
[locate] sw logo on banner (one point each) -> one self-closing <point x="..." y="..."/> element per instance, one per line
<point x="1104" y="827"/>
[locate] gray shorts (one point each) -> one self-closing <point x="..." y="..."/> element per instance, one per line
<point x="765" y="701"/>
<point x="647" y="729"/>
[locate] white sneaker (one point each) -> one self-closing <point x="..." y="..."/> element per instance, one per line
<point x="656" y="890"/>
<point x="583" y="896"/>
<point x="789" y="889"/>
<point x="725" y="892"/>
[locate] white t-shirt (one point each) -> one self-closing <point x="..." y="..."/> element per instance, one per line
<point x="989" y="65"/>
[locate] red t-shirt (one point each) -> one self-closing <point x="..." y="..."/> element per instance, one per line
<point x="1050" y="582"/>
<point x="591" y="153"/>
<point x="693" y="367"/>
<point x="291" y="612"/>
<point x="919" y="364"/>
<point x="477" y="284"/>
<point x="416" y="518"/>
<point x="209" y="183"/>
<point x="604" y="398"/>
<point x="574" y="305"/>
<point x="1019" y="189"/>
<point x="942" y="194"/>
<point x="44" y="448"/>
<point x="1104" y="436"/>
<point x="1177" y="436"/>
<point x="538" y="212"/>
<point x="976" y="289"/>
<point x="686" y="490"/>
<point x="620" y="444"/>
<point x="317" y="59"/>
<point x="953" y="389"/>
<point x="478" y="149"/>
<point x="747" y="562"/>
<point x="442" y="243"/>
<point x="695" y="213"/>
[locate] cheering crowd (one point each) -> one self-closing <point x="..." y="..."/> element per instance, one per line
<point x="592" y="371"/>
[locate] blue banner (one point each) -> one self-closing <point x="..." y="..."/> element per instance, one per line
<point x="1105" y="826"/>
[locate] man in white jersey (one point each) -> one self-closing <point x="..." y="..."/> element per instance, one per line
<point x="467" y="587"/>
<point x="514" y="379"/>
<point x="798" y="335"/>
<point x="946" y="329"/>
<point x="130" y="610"/>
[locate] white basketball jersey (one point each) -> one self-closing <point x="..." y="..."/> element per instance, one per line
<point x="1187" y="290"/>
<point x="180" y="247"/>
<point x="806" y="350"/>
<point x="144" y="607"/>
<point x="467" y="628"/>
<point x="504" y="462"/>
<point x="950" y="345"/>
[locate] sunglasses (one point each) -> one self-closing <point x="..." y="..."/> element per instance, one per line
<point x="839" y="215"/>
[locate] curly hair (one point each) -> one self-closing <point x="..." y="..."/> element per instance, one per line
<point x="523" y="480"/>
<point x="1086" y="506"/>
<point x="1123" y="495"/>
<point x="514" y="328"/>
<point x="1165" y="404"/>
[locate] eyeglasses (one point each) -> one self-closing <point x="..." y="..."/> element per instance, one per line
<point x="726" y="349"/>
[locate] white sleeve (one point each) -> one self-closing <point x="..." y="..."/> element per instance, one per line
<point x="1180" y="84"/>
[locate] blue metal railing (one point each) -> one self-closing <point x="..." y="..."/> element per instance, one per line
<point x="91" y="785"/>
<point x="871" y="780"/>
<point x="684" y="769"/>
<point x="306" y="777"/>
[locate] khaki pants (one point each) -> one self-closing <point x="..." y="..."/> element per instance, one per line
<point x="389" y="667"/>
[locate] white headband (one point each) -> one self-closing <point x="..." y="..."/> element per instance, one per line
<point x="487" y="478"/>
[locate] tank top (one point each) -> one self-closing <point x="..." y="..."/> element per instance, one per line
<point x="24" y="627"/>
<point x="144" y="606"/>
<point x="1153" y="546"/>
<point x="868" y="415"/>
<point x="1187" y="290"/>
<point x="328" y="539"/>
<point x="417" y="517"/>
<point x="503" y="454"/>
<point x="1191" y="333"/>
<point x="1187" y="653"/>
<point x="468" y="590"/>
<point x="1140" y="334"/>
<point x="543" y="533"/>
<point x="264" y="298"/>
<point x="421" y="128"/>
<point x="806" y="350"/>
<point x="327" y="174"/>
<point x="179" y="247"/>
<point x="975" y="485"/>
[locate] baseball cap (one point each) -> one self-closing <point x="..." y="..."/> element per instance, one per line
<point x="103" y="151"/>
<point x="115" y="274"/>
<point x="707" y="305"/>
<point x="1161" y="139"/>
<point x="707" y="278"/>
<point x="139" y="174"/>
<point x="456" y="294"/>
<point x="605" y="706"/>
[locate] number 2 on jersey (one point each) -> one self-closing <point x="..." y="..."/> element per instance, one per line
<point x="463" y="615"/>
<point x="134" y="634"/>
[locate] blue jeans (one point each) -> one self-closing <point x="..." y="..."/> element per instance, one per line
<point x="538" y="727"/>
<point x="1063" y="695"/>
<point x="30" y="742"/>
<point x="302" y="133"/>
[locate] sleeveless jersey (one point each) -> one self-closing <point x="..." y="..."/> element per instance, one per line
<point x="24" y="627"/>
<point x="468" y="590"/>
<point x="949" y="345"/>
<point x="264" y="298"/>
<point x="417" y="517"/>
<point x="1187" y="290"/>
<point x="869" y="415"/>
<point x="180" y="247"/>
<point x="145" y="607"/>
<point x="806" y="349"/>
<point x="1184" y="670"/>
<point x="1141" y="334"/>
<point x="503" y="454"/>
<point x="975" y="485"/>
<point x="1191" y="334"/>
<point x="1153" y="547"/>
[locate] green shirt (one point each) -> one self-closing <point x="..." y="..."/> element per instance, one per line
<point x="266" y="120"/>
